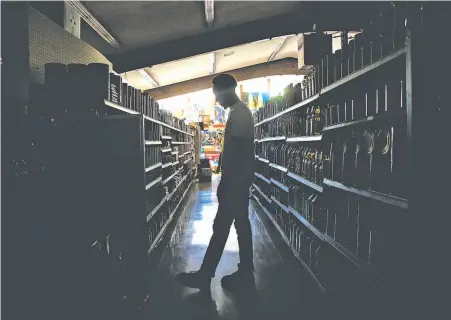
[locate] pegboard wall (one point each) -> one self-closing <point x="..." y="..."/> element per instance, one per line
<point x="48" y="42"/>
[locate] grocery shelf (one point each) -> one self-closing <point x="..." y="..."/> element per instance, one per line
<point x="119" y="107"/>
<point x="165" y="226"/>
<point x="170" y="177"/>
<point x="381" y="116"/>
<point x="276" y="166"/>
<point x="261" y="193"/>
<point x="280" y="138"/>
<point x="154" y="182"/>
<point x="167" y="165"/>
<point x="188" y="152"/>
<point x="296" y="106"/>
<point x="174" y="152"/>
<point x="363" y="71"/>
<point x="178" y="185"/>
<point x="385" y="198"/>
<point x="282" y="206"/>
<point x="280" y="185"/>
<point x="153" y="143"/>
<point x="364" y="266"/>
<point x="262" y="177"/>
<point x="348" y="124"/>
<point x="166" y="150"/>
<point x="305" y="181"/>
<point x="263" y="160"/>
<point x="180" y="142"/>
<point x="338" y="83"/>
<point x="153" y="167"/>
<point x="186" y="161"/>
<point x="123" y="109"/>
<point x="305" y="139"/>
<point x="155" y="210"/>
<point x="295" y="253"/>
<point x="304" y="221"/>
<point x="166" y="137"/>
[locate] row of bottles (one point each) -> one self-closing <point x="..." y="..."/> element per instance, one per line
<point x="168" y="118"/>
<point x="74" y="90"/>
<point x="137" y="100"/>
<point x="309" y="204"/>
<point x="299" y="123"/>
<point x="262" y="169"/>
<point x="152" y="131"/>
<point x="307" y="162"/>
<point x="381" y="37"/>
<point x="292" y="95"/>
<point x="371" y="159"/>
<point x="79" y="89"/>
<point x="154" y="196"/>
<point x="152" y="155"/>
<point x="386" y="93"/>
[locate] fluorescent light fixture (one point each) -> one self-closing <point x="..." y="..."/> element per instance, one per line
<point x="149" y="78"/>
<point x="209" y="13"/>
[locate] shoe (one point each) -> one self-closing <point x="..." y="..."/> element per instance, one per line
<point x="194" y="279"/>
<point x="239" y="280"/>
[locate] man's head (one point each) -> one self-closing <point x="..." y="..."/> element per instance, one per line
<point x="224" y="89"/>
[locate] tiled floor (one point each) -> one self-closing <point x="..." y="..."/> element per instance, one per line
<point x="281" y="283"/>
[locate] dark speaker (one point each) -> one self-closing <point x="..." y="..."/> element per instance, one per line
<point x="201" y="125"/>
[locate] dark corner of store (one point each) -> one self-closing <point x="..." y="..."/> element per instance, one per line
<point x="115" y="143"/>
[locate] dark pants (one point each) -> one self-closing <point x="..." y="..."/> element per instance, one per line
<point x="233" y="207"/>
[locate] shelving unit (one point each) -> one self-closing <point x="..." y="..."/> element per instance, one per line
<point x="329" y="205"/>
<point x="167" y="190"/>
<point x="129" y="111"/>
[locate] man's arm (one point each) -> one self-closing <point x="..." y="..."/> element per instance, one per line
<point x="236" y="149"/>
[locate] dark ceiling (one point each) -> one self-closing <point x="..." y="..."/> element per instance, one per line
<point x="137" y="24"/>
<point x="154" y="32"/>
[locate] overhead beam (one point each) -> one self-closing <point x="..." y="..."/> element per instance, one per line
<point x="277" y="49"/>
<point x="273" y="68"/>
<point x="209" y="13"/>
<point x="330" y="15"/>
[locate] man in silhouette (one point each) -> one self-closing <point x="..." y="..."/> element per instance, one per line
<point x="233" y="193"/>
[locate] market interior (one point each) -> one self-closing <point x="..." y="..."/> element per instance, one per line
<point x="112" y="145"/>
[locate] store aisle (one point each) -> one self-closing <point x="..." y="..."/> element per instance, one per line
<point x="282" y="286"/>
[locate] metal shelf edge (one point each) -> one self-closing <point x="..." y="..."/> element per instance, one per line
<point x="281" y="138"/>
<point x="296" y="106"/>
<point x="169" y="178"/>
<point x="305" y="182"/>
<point x="154" y="182"/>
<point x="276" y="166"/>
<point x="159" y="164"/>
<point x="155" y="210"/>
<point x="152" y="143"/>
<point x="283" y="207"/>
<point x="261" y="192"/>
<point x="305" y="139"/>
<point x="385" y="198"/>
<point x="262" y="177"/>
<point x="280" y="185"/>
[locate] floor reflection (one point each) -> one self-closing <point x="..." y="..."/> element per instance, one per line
<point x="279" y="284"/>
